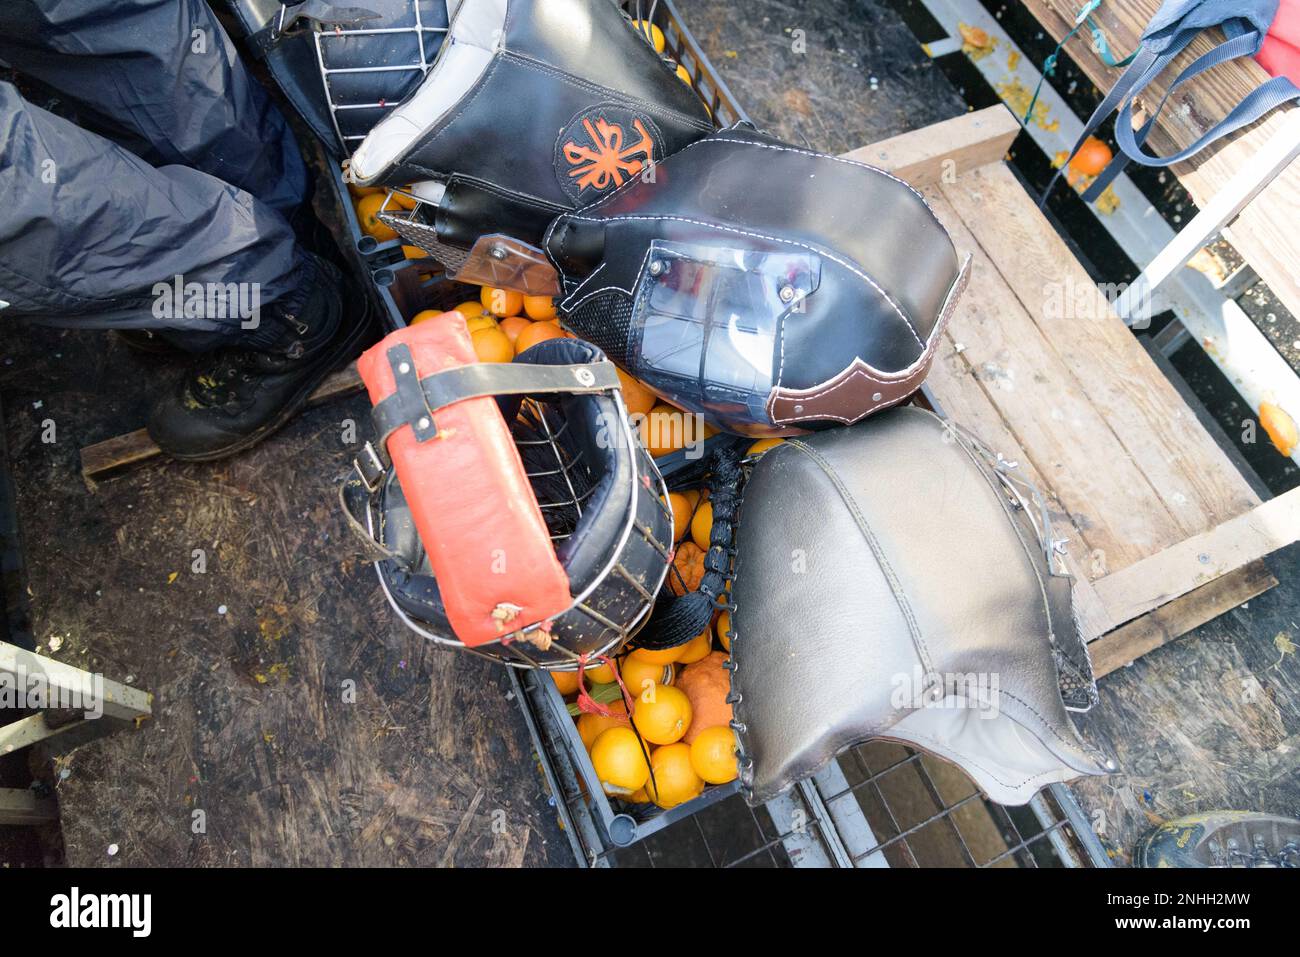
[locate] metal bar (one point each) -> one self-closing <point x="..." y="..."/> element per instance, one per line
<point x="1080" y="825"/>
<point x="850" y="822"/>
<point x="829" y="835"/>
<point x="1247" y="183"/>
<point x="66" y="683"/>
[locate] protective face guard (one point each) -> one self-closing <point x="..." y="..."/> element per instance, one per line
<point x="770" y="288"/>
<point x="570" y="499"/>
<point x="588" y="102"/>
<point x="891" y="582"/>
<point x="345" y="67"/>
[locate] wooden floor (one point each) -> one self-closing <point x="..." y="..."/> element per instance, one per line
<point x="1129" y="472"/>
<point x="252" y="661"/>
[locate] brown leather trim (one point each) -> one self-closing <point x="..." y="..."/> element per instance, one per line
<point x="860" y="389"/>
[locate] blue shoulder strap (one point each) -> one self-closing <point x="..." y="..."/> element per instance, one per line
<point x="1146" y="65"/>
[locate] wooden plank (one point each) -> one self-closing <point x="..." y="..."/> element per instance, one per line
<point x="1175" y="619"/>
<point x="1197" y="484"/>
<point x="941" y="151"/>
<point x="107" y="458"/>
<point x="72" y="687"/>
<point x="1202" y="558"/>
<point x="1120" y="517"/>
<point x="21" y="806"/>
<point x="959" y="392"/>
<point x="1265" y="231"/>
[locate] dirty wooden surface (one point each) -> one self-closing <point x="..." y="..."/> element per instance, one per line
<point x="431" y="764"/>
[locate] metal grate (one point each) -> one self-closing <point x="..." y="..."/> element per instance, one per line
<point x="427" y="30"/>
<point x="878" y="805"/>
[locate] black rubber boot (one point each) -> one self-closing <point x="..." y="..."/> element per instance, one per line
<point x="1222" y="839"/>
<point x="233" y="398"/>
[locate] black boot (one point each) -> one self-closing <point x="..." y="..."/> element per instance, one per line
<point x="233" y="398"/>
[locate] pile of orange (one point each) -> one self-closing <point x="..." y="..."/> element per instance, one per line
<point x="503" y="323"/>
<point x="679" y="728"/>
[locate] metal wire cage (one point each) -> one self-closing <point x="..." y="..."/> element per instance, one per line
<point x="370" y="69"/>
<point x="612" y="597"/>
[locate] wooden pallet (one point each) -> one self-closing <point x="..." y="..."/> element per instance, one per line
<point x="1161" y="530"/>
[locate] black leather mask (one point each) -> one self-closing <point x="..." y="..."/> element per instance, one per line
<point x="771" y="288"/>
<point x="533" y="107"/>
<point x="891" y="582"/>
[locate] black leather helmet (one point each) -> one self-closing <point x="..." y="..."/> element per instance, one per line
<point x="531" y="108"/>
<point x="768" y="287"/>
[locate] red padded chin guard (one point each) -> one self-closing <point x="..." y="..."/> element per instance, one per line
<point x="472" y="504"/>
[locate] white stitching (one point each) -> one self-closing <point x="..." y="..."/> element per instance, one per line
<point x="772" y="239"/>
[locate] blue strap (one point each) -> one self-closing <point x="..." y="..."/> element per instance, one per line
<point x="1260" y="101"/>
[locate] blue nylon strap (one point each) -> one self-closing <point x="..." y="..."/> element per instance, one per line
<point x="1260" y="101"/>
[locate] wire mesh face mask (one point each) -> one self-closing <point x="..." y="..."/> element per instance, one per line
<point x="892" y="582"/>
<point x="520" y="518"/>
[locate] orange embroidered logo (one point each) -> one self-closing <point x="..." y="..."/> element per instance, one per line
<point x="605" y="161"/>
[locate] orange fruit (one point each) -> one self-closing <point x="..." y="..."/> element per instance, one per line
<point x="425" y="314"/>
<point x="483" y="321"/>
<point x="638" y="399"/>
<point x="470" y="308"/>
<point x="637" y="672"/>
<point x="367" y="216"/>
<point x="761" y="446"/>
<point x="675" y="781"/>
<point x="697" y="648"/>
<point x="359" y="191"/>
<point x="513" y="325"/>
<point x="1279" y="427"/>
<point x="706" y="683"/>
<point x="402" y="200"/>
<point x="599" y="674"/>
<point x="696" y="496"/>
<point x="566" y="681"/>
<point x="591" y="726"/>
<point x="640" y="797"/>
<point x="713" y="755"/>
<point x="501" y="302"/>
<point x="722" y="628"/>
<point x="667" y="428"/>
<point x="535" y="333"/>
<point x="681" y="506"/>
<point x="539" y="308"/>
<point x="413" y="252"/>
<point x="702" y="525"/>
<point x="684" y="75"/>
<point x="662" y="714"/>
<point x="619" y="761"/>
<point x="688" y="562"/>
<point x="1093" y="157"/>
<point x="665" y="657"/>
<point x="492" y="345"/>
<point x="652" y="33"/>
